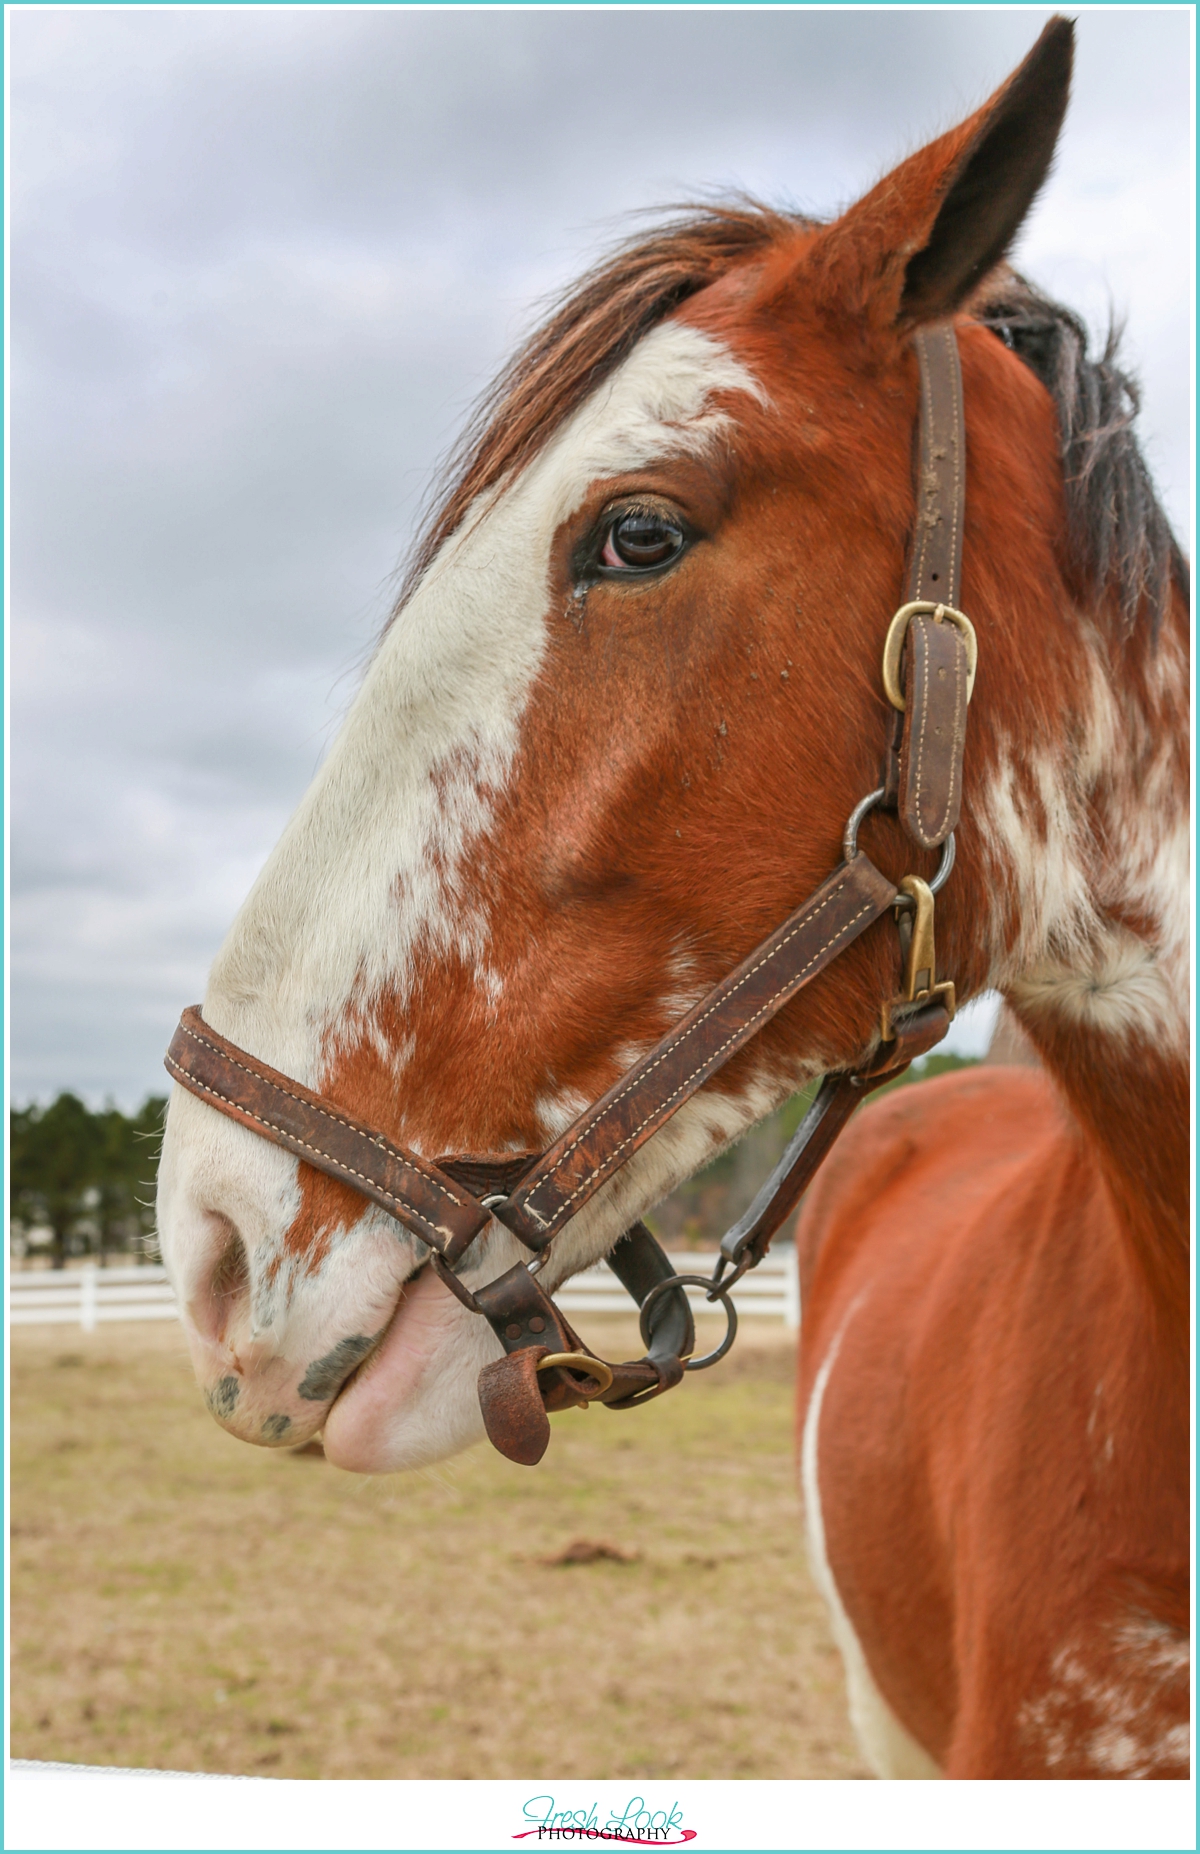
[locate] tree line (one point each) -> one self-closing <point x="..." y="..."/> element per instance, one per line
<point x="698" y="1212"/>
<point x="88" y="1178"/>
<point x="82" y="1182"/>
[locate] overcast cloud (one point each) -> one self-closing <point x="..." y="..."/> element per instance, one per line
<point x="262" y="262"/>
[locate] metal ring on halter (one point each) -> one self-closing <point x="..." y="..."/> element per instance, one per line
<point x="580" y="1361"/>
<point x="850" y="834"/>
<point x="721" y="1294"/>
<point x="540" y="1259"/>
<point x="945" y="866"/>
<point x="850" y="846"/>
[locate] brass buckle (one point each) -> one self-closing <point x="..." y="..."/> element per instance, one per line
<point x="920" y="961"/>
<point x="580" y="1361"/>
<point x="893" y="647"/>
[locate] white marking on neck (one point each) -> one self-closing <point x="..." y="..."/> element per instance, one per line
<point x="1116" y="986"/>
<point x="371" y="869"/>
<point x="1073" y="958"/>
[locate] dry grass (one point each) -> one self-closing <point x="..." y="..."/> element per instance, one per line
<point x="180" y="1601"/>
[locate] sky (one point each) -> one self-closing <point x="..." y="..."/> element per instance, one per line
<point x="262" y="262"/>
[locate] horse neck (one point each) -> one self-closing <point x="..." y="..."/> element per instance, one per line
<point x="1130" y="1101"/>
<point x="1106" y="1004"/>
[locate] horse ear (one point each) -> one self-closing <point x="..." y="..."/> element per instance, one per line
<point x="916" y="246"/>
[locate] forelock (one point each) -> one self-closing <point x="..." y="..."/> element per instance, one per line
<point x="587" y="334"/>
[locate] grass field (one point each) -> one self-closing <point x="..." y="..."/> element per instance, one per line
<point x="181" y="1601"/>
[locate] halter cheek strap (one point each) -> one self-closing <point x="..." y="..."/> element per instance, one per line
<point x="607" y="1135"/>
<point x="929" y="636"/>
<point x="929" y="667"/>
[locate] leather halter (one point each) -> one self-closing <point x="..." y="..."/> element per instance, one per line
<point x="546" y="1366"/>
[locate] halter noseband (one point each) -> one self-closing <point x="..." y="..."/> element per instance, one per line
<point x="546" y="1366"/>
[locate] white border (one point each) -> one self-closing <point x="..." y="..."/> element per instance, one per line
<point x="49" y="1809"/>
<point x="140" y="1812"/>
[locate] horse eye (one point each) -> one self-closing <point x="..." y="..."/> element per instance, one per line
<point x="641" y="538"/>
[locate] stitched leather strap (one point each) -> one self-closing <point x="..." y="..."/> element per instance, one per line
<point x="922" y="772"/>
<point x="608" y="1135"/>
<point x="935" y="689"/>
<point x="426" y="1199"/>
<point x="317" y="1130"/>
<point x="931" y="749"/>
<point x="935" y="565"/>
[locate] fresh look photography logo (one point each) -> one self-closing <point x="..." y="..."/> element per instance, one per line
<point x="636" y="1825"/>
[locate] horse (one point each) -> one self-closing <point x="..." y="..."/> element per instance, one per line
<point x="628" y="695"/>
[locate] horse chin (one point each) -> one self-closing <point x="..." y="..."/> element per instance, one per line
<point x="414" y="1401"/>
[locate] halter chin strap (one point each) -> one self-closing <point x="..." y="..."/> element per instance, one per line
<point x="546" y="1366"/>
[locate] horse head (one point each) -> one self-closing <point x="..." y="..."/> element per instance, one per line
<point x="608" y="739"/>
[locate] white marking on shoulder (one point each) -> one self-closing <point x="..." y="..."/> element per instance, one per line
<point x="890" y="1750"/>
<point x="1118" y="1704"/>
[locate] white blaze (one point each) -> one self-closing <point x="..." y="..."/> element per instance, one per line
<point x="370" y="869"/>
<point x="370" y="866"/>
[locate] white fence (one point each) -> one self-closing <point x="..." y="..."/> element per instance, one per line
<point x="773" y="1288"/>
<point x="87" y="1296"/>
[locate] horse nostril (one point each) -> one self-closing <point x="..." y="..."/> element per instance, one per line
<point x="218" y="1301"/>
<point x="231" y="1276"/>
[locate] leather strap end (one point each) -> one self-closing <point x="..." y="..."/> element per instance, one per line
<point x="513" y="1412"/>
<point x="935" y="731"/>
<point x="640" y="1380"/>
<point x="917" y="1032"/>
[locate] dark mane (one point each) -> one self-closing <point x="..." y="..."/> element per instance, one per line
<point x="1119" y="534"/>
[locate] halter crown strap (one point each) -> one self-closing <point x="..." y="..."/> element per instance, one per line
<point x="923" y="773"/>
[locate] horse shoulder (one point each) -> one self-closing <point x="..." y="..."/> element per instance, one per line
<point x="915" y="1152"/>
<point x="972" y="1449"/>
